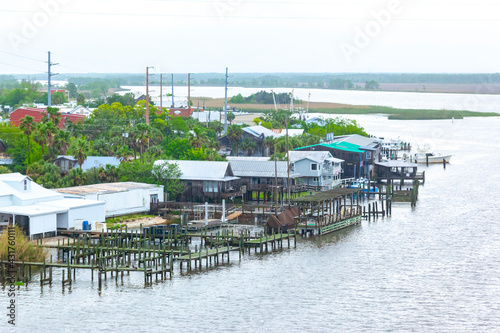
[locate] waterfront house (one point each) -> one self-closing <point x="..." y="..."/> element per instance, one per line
<point x="372" y="147"/>
<point x="40" y="212"/>
<point x="257" y="134"/>
<point x="258" y="175"/>
<point x="354" y="164"/>
<point x="120" y="198"/>
<point x="318" y="169"/>
<point x="206" y="180"/>
<point x="68" y="162"/>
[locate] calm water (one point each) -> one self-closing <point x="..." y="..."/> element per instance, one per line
<point x="435" y="268"/>
<point x="409" y="100"/>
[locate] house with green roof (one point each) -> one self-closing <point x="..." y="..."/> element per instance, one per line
<point x="354" y="156"/>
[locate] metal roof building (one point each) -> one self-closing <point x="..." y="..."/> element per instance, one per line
<point x="252" y="168"/>
<point x="40" y="211"/>
<point x="203" y="170"/>
<point x="121" y="198"/>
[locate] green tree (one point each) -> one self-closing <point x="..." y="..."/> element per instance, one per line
<point x="4" y="169"/>
<point x="26" y="125"/>
<point x="200" y="137"/>
<point x="140" y="134"/>
<point x="230" y="117"/>
<point x="168" y="175"/>
<point x="234" y="133"/>
<point x="80" y="149"/>
<point x="249" y="146"/>
<point x="46" y="174"/>
<point x="80" y="99"/>
<point x="76" y="177"/>
<point x="372" y="85"/>
<point x="62" y="140"/>
<point x="71" y="88"/>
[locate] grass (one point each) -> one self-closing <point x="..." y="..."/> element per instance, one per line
<point x="114" y="223"/>
<point x="24" y="250"/>
<point x="406" y="114"/>
<point x="398" y="114"/>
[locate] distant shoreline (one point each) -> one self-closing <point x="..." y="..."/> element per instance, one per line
<point x="337" y="108"/>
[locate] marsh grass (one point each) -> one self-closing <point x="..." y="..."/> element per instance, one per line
<point x="24" y="250"/>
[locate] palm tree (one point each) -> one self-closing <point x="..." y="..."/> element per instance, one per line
<point x="234" y="133"/>
<point x="49" y="132"/>
<point x="53" y="116"/>
<point x="62" y="140"/>
<point x="200" y="138"/>
<point x="80" y="149"/>
<point x="123" y="152"/>
<point x="27" y="125"/>
<point x="248" y="145"/>
<point x="230" y="117"/>
<point x="140" y="133"/>
<point x="39" y="135"/>
<point x="269" y="143"/>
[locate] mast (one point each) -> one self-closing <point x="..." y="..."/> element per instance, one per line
<point x="173" y="103"/>
<point x="225" y="105"/>
<point x="287" y="152"/>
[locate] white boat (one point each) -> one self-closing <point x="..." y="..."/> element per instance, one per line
<point x="421" y="158"/>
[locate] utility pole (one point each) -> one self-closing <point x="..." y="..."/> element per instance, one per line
<point x="49" y="89"/>
<point x="161" y="92"/>
<point x="173" y="103"/>
<point x="189" y="91"/>
<point x="147" y="94"/>
<point x="225" y="105"/>
<point x="287" y="152"/>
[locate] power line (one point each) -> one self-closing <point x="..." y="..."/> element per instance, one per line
<point x="30" y="69"/>
<point x="263" y="17"/>
<point x="17" y="55"/>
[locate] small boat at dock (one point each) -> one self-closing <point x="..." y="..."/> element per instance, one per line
<point x="421" y="158"/>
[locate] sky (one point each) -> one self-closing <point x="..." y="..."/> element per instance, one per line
<point x="338" y="36"/>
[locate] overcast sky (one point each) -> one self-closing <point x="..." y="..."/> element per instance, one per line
<point x="250" y="36"/>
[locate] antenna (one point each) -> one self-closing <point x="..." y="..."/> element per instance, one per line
<point x="274" y="101"/>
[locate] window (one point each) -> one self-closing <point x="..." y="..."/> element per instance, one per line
<point x="314" y="166"/>
<point x="368" y="155"/>
<point x="315" y="179"/>
<point x="25" y="185"/>
<point x="210" y="186"/>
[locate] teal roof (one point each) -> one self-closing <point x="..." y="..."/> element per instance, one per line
<point x="340" y="145"/>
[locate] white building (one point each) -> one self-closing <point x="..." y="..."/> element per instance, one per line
<point x="317" y="168"/>
<point x="39" y="211"/>
<point x="120" y="198"/>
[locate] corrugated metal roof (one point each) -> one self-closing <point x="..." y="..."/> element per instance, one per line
<point x="203" y="170"/>
<point x="346" y="146"/>
<point x="317" y="156"/>
<point x="358" y="140"/>
<point x="93" y="161"/>
<point x="104" y="188"/>
<point x="242" y="168"/>
<point x="259" y="130"/>
<point x="247" y="158"/>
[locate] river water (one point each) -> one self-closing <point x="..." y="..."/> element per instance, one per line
<point x="434" y="268"/>
<point x="407" y="100"/>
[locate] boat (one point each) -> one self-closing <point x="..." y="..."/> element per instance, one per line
<point x="362" y="183"/>
<point x="421" y="158"/>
